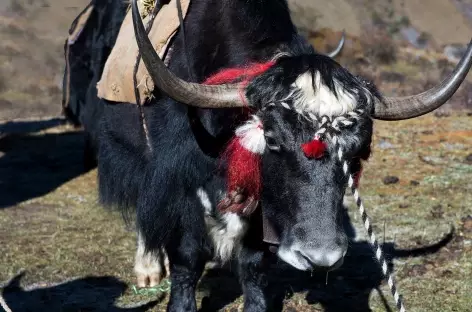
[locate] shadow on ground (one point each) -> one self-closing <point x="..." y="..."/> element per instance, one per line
<point x="345" y="289"/>
<point x="33" y="165"/>
<point x="96" y="294"/>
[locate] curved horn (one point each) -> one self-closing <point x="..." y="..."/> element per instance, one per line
<point x="399" y="108"/>
<point x="185" y="92"/>
<point x="340" y="46"/>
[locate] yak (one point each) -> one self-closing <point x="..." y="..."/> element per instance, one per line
<point x="239" y="146"/>
<point x="92" y="36"/>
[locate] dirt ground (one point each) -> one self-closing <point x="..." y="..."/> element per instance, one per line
<point x="77" y="256"/>
<point x="52" y="227"/>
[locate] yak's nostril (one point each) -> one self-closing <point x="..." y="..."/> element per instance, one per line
<point x="311" y="258"/>
<point x="323" y="258"/>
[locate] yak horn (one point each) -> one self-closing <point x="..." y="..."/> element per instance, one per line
<point x="194" y="94"/>
<point x="340" y="46"/>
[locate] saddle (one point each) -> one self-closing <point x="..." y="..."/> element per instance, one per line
<point x="116" y="83"/>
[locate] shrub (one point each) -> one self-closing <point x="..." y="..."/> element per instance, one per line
<point x="379" y="46"/>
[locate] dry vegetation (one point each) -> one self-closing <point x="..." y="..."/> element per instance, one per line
<point x="65" y="234"/>
<point x="52" y="227"/>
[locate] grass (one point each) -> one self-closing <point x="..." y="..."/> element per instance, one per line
<point x="66" y="235"/>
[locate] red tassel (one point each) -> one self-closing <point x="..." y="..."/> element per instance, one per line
<point x="244" y="169"/>
<point x="314" y="149"/>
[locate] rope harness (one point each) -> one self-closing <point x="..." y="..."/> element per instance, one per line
<point x="156" y="8"/>
<point x="250" y="137"/>
<point x="329" y="129"/>
<point x="3" y="303"/>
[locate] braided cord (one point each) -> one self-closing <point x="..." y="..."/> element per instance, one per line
<point x="328" y="128"/>
<point x="368" y="226"/>
<point x="325" y="125"/>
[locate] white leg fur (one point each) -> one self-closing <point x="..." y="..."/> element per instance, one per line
<point x="149" y="268"/>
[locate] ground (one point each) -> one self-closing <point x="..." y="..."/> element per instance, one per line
<point x="77" y="256"/>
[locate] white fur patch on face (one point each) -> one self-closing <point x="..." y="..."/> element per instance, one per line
<point x="320" y="100"/>
<point x="251" y="135"/>
<point x="227" y="233"/>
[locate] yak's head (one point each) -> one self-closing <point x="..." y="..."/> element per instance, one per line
<point x="311" y="124"/>
<point x="308" y="109"/>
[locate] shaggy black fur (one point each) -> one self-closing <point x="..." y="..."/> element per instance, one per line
<point x="161" y="184"/>
<point x="87" y="57"/>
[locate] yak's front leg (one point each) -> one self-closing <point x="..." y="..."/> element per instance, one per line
<point x="187" y="258"/>
<point x="259" y="294"/>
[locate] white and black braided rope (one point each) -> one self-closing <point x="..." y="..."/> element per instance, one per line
<point x="328" y="129"/>
<point x="368" y="226"/>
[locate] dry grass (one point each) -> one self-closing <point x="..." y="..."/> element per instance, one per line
<point x="65" y="234"/>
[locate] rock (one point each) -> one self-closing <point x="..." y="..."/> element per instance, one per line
<point x="468" y="159"/>
<point x="441" y="113"/>
<point x="467" y="224"/>
<point x="454" y="52"/>
<point x="437" y="212"/>
<point x="385" y="145"/>
<point x="390" y="180"/>
<point x="414" y="37"/>
<point x="417" y="270"/>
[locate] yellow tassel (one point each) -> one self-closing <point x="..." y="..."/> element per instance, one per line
<point x="148" y="5"/>
<point x="145" y="7"/>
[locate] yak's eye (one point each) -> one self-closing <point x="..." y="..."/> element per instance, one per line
<point x="272" y="145"/>
<point x="271" y="142"/>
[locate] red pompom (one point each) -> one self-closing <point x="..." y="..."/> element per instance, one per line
<point x="244" y="169"/>
<point x="314" y="149"/>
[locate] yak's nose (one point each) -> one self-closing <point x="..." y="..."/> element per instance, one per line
<point x="323" y="258"/>
<point x="311" y="258"/>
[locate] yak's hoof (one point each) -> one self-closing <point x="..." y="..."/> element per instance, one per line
<point x="150" y="269"/>
<point x="148" y="280"/>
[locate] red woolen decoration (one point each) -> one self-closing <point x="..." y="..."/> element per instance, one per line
<point x="314" y="149"/>
<point x="243" y="73"/>
<point x="244" y="169"/>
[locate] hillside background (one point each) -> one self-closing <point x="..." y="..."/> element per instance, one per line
<point x="389" y="41"/>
